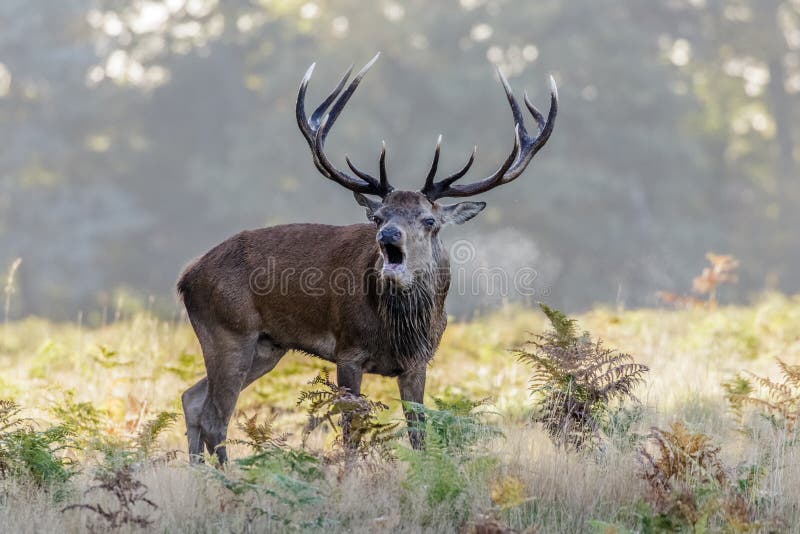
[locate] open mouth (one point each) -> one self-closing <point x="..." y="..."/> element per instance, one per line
<point x="393" y="257"/>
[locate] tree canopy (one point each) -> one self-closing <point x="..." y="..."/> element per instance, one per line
<point x="138" y="134"/>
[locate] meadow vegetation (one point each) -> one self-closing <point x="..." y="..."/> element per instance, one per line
<point x="611" y="421"/>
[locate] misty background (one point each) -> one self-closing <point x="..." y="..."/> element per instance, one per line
<point x="137" y="134"/>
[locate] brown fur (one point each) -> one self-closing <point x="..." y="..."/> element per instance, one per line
<point x="252" y="298"/>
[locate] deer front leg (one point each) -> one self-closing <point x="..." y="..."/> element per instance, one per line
<point x="348" y="375"/>
<point x="412" y="389"/>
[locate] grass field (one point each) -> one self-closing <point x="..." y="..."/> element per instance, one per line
<point x="101" y="386"/>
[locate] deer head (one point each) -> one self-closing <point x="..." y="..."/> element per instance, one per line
<point x="408" y="222"/>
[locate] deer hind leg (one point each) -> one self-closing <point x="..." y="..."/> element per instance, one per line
<point x="193" y="400"/>
<point x="268" y="354"/>
<point x="229" y="357"/>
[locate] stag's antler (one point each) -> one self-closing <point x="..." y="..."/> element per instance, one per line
<point x="525" y="147"/>
<point x="317" y="127"/>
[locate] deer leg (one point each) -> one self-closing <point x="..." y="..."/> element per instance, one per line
<point x="412" y="389"/>
<point x="228" y="367"/>
<point x="193" y="400"/>
<point x="268" y="354"/>
<point x="267" y="357"/>
<point x="348" y="375"/>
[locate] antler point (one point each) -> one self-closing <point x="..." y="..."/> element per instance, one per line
<point x="366" y="67"/>
<point x="553" y="87"/>
<point x="308" y="73"/>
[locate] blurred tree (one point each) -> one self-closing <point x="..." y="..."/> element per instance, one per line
<point x="742" y="61"/>
<point x="141" y="133"/>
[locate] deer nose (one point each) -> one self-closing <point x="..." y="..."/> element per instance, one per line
<point x="390" y="235"/>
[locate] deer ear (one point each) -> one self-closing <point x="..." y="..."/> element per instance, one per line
<point x="461" y="212"/>
<point x="371" y="205"/>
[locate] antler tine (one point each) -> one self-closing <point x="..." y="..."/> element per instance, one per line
<point x="518" y="119"/>
<point x="487" y="183"/>
<point x="385" y="186"/>
<point x="361" y="174"/>
<point x="462" y="171"/>
<point x="309" y="126"/>
<point x="434" y="164"/>
<point x="372" y="185"/>
<point x="537" y="115"/>
<point x="525" y="148"/>
<point x="532" y="145"/>
<point x="384" y="179"/>
<point x="338" y="106"/>
<point x="318" y="113"/>
<point x="316" y="128"/>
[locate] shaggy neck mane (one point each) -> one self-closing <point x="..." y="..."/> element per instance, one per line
<point x="407" y="315"/>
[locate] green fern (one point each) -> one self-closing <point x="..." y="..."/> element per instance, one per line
<point x="566" y="329"/>
<point x="292" y="479"/>
<point x="33" y="454"/>
<point x="434" y="472"/>
<point x="260" y="436"/>
<point x="575" y="381"/>
<point x="86" y="423"/>
<point x="146" y="441"/>
<point x="455" y="457"/>
<point x="457" y="424"/>
<point x="350" y="415"/>
<point x="778" y="401"/>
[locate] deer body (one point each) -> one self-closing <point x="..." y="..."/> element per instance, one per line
<point x="315" y="288"/>
<point x="367" y="297"/>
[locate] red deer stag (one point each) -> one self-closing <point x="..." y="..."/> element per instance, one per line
<point x="367" y="297"/>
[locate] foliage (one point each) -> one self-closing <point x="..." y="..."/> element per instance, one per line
<point x="456" y="435"/>
<point x="359" y="433"/>
<point x="290" y="477"/>
<point x="576" y="380"/>
<point x="84" y="421"/>
<point x="30" y="453"/>
<point x="722" y="270"/>
<point x="457" y="424"/>
<point x="466" y="479"/>
<point x="700" y="94"/>
<point x="260" y="436"/>
<point x="146" y="440"/>
<point x="508" y="492"/>
<point x="128" y="493"/>
<point x="778" y="401"/>
<point x="621" y="423"/>
<point x="688" y="484"/>
<point x="736" y="390"/>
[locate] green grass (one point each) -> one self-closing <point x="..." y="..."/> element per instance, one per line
<point x="108" y="385"/>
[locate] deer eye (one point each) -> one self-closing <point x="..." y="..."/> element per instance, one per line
<point x="429" y="222"/>
<point x="377" y="220"/>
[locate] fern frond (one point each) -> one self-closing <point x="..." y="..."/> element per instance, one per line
<point x="147" y="437"/>
<point x="575" y="379"/>
<point x="566" y="329"/>
<point x="780" y="401"/>
<point x="353" y="417"/>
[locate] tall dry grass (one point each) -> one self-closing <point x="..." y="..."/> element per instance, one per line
<point x="136" y="367"/>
